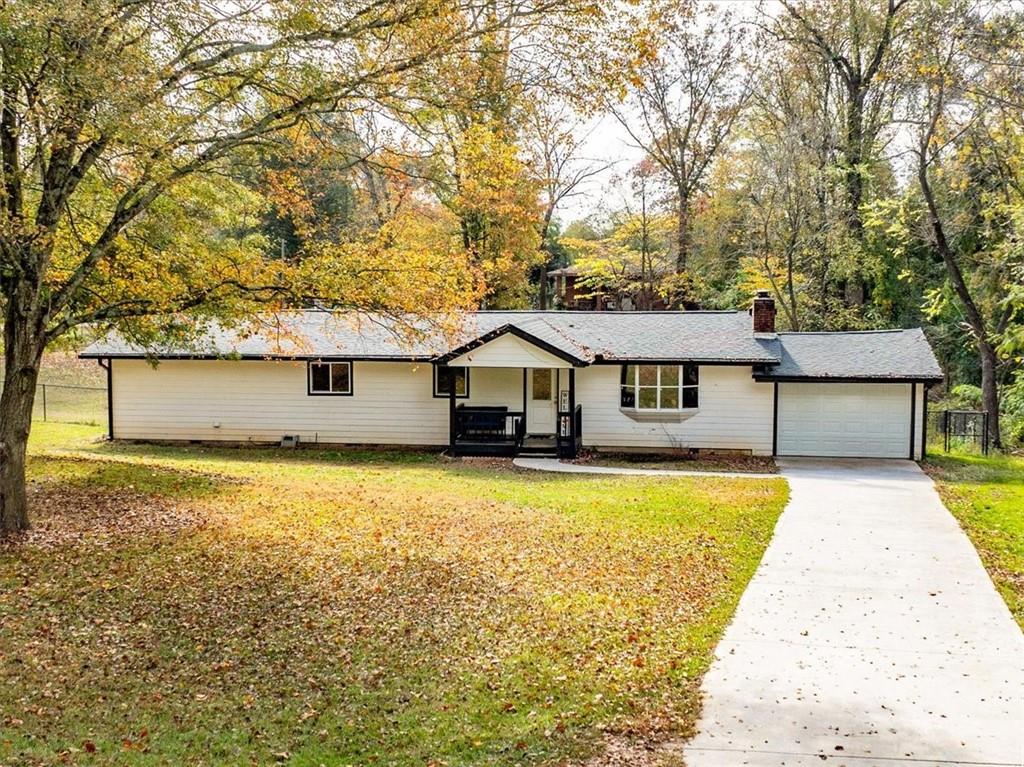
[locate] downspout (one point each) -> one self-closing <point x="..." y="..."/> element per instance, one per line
<point x="107" y="364"/>
<point x="775" y="419"/>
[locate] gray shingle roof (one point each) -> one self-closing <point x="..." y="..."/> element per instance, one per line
<point x="587" y="336"/>
<point x="871" y="354"/>
<point x="698" y="336"/>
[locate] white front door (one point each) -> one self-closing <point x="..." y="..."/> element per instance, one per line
<point x="540" y="401"/>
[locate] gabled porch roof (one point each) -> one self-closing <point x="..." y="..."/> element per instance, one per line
<point x="513" y="346"/>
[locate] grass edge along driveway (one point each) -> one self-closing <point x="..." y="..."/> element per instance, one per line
<point x="986" y="495"/>
<point x="196" y="606"/>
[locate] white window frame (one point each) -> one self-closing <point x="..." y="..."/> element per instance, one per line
<point x="331" y="392"/>
<point x="679" y="387"/>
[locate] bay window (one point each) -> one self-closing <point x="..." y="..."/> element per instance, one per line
<point x="659" y="387"/>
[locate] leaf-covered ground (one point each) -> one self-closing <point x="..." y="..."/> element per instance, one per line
<point x="707" y="461"/>
<point x="201" y="606"/>
<point x="986" y="494"/>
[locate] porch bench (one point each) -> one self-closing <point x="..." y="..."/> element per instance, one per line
<point x="482" y="423"/>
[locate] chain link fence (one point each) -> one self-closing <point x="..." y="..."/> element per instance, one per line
<point x="64" y="403"/>
<point x="69" y="391"/>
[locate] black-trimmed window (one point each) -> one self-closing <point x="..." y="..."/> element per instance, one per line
<point x="443" y="377"/>
<point x="330" y="377"/>
<point x="659" y="387"/>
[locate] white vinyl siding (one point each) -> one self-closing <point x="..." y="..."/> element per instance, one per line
<point x="495" y="386"/>
<point x="509" y="351"/>
<point x="846" y="420"/>
<point x="734" y="413"/>
<point x="260" y="401"/>
<point x="393" y="404"/>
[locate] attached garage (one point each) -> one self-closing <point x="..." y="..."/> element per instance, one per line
<point x="855" y="394"/>
<point x="856" y="420"/>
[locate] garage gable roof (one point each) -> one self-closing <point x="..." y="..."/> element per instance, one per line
<point x="884" y="355"/>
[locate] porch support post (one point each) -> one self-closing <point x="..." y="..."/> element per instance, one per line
<point x="572" y="410"/>
<point x="451" y="414"/>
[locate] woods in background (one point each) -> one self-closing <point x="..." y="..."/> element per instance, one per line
<point x="861" y="159"/>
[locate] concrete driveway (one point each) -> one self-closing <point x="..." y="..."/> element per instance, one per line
<point x="870" y="635"/>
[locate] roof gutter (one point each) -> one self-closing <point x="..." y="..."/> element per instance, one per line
<point x="768" y="378"/>
<point x="254" y="357"/>
<point x="743" y="362"/>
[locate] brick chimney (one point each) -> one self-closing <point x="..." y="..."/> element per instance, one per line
<point x="764" y="312"/>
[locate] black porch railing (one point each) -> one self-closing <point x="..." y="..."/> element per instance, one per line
<point x="487" y="431"/>
<point x="570" y="432"/>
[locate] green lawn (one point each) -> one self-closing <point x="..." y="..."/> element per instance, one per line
<point x="215" y="606"/>
<point x="987" y="495"/>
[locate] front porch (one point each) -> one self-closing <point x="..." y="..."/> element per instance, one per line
<point x="509" y="393"/>
<point x="540" y="418"/>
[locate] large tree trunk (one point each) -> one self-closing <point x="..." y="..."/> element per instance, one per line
<point x="986" y="350"/>
<point x="682" y="234"/>
<point x="854" y="156"/>
<point x="794" y="314"/>
<point x="854" y="293"/>
<point x="22" y="356"/>
<point x="990" y="390"/>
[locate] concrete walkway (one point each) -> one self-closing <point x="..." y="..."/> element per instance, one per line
<point x="553" y="464"/>
<point x="870" y="635"/>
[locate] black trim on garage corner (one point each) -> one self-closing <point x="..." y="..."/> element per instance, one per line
<point x="924" y="422"/>
<point x="110" y="394"/>
<point x="913" y="417"/>
<point x="775" y="420"/>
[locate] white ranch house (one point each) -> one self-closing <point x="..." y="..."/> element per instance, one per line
<point x="535" y="381"/>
